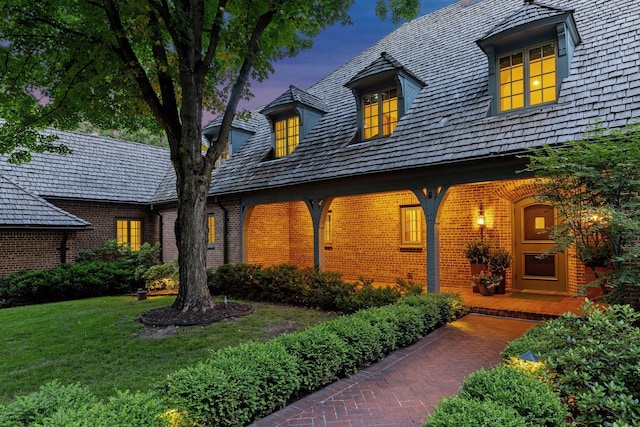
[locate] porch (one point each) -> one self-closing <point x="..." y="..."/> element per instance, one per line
<point x="519" y="305"/>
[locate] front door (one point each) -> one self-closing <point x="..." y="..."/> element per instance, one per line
<point x="533" y="270"/>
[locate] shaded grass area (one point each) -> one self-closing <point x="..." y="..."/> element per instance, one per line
<point x="96" y="342"/>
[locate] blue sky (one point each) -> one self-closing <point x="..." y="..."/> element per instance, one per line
<point x="333" y="47"/>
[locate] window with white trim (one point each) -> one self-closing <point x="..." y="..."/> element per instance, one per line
<point x="411" y="225"/>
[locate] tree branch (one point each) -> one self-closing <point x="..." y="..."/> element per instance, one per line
<point x="129" y="58"/>
<point x="238" y="88"/>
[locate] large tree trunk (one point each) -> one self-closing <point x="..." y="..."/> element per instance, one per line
<point x="191" y="238"/>
<point x="193" y="177"/>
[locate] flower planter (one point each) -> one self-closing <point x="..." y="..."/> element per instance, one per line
<point x="475" y="270"/>
<point x="486" y="290"/>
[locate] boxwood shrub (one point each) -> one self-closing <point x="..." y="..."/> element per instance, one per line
<point x="75" y="406"/>
<point x="515" y="388"/>
<point x="320" y="356"/>
<point x="307" y="287"/>
<point x="461" y="412"/>
<point x="239" y="385"/>
<point x="594" y="362"/>
<point x="235" y="386"/>
<point x="109" y="270"/>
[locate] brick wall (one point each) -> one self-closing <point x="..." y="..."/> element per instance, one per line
<point x="457" y="220"/>
<point x="40" y="249"/>
<point x="33" y="250"/>
<point x="102" y="217"/>
<point x="365" y="238"/>
<point x="215" y="255"/>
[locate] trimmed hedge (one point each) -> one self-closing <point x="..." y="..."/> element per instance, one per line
<point x="75" y="406"/>
<point x="110" y="270"/>
<point x="593" y="360"/>
<point x="461" y="412"/>
<point x="532" y="399"/>
<point x="503" y="395"/>
<point x="241" y="385"/>
<point x="236" y="386"/>
<point x="286" y="284"/>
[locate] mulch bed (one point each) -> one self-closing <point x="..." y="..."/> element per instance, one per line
<point x="168" y="316"/>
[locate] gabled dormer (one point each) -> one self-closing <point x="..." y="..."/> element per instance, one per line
<point x="292" y="116"/>
<point x="240" y="133"/>
<point x="529" y="55"/>
<point x="384" y="92"/>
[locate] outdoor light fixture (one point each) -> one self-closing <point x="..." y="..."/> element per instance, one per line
<point x="528" y="356"/>
<point x="481" y="223"/>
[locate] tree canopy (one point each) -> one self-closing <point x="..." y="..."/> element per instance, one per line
<point x="154" y="64"/>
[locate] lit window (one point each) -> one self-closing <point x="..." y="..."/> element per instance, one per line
<point x="411" y="218"/>
<point x="287" y="135"/>
<point x="211" y="231"/>
<point x="528" y="77"/>
<point x="129" y="231"/>
<point x="327" y="229"/>
<point x="380" y="113"/>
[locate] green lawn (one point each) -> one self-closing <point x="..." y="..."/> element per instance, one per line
<point x="96" y="342"/>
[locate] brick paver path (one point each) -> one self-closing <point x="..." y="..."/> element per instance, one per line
<point x="402" y="389"/>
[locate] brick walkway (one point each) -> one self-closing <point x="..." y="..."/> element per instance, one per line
<point x="402" y="390"/>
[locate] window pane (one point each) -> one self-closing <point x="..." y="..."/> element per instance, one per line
<point x="389" y="111"/>
<point x="122" y="232"/>
<point x="135" y="236"/>
<point x="411" y="225"/>
<point x="287" y="135"/>
<point x="211" y="229"/>
<point x="327" y="229"/>
<point x="293" y="134"/>
<point x="281" y="138"/>
<point x="370" y="115"/>
<point x="545" y="267"/>
<point x="517" y="101"/>
<point x="511" y="81"/>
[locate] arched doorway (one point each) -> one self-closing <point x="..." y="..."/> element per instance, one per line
<point x="533" y="271"/>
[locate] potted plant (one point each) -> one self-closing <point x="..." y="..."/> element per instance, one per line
<point x="477" y="252"/>
<point x="499" y="261"/>
<point x="486" y="282"/>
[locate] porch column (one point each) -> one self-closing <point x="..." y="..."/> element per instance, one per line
<point x="317" y="209"/>
<point x="430" y="198"/>
<point x="245" y="216"/>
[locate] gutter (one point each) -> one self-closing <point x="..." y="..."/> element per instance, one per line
<point x="225" y="231"/>
<point x="160" y="232"/>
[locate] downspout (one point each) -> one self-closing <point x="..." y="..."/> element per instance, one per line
<point x="225" y="227"/>
<point x="63" y="247"/>
<point x="160" y="231"/>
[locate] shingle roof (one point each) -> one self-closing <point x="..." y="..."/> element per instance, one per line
<point x="102" y="169"/>
<point x="293" y="95"/>
<point x="531" y="11"/>
<point x="449" y="120"/>
<point x="23" y="209"/>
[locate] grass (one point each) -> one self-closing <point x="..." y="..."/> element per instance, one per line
<point x="96" y="342"/>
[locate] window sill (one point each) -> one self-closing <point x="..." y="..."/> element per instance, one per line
<point x="408" y="248"/>
<point x="211" y="246"/>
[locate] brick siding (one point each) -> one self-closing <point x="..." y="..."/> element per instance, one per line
<point x="33" y="250"/>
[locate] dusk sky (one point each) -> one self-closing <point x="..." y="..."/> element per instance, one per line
<point x="333" y="47"/>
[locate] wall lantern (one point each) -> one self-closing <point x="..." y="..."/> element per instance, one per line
<point x="480" y="221"/>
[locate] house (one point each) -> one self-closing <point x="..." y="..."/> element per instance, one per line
<point x="387" y="167"/>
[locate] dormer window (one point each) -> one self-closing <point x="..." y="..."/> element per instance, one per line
<point x="380" y="113"/>
<point x="529" y="55"/>
<point x="527" y="77"/>
<point x="292" y="116"/>
<point x="287" y="136"/>
<point x="384" y="91"/>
